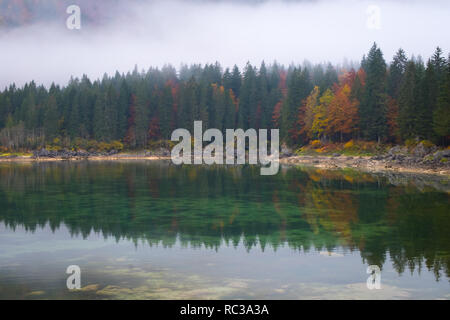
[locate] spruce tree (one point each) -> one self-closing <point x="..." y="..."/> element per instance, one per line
<point x="441" y="116"/>
<point x="396" y="71"/>
<point x="373" y="105"/>
<point x="51" y="118"/>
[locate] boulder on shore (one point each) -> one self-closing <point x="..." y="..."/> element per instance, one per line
<point x="286" y="152"/>
<point x="421" y="150"/>
<point x="398" y="150"/>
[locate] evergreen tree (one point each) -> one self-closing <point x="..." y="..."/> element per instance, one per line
<point x="373" y="105"/>
<point x="263" y="110"/>
<point x="441" y="119"/>
<point x="236" y="82"/>
<point x="230" y="111"/>
<point x="439" y="64"/>
<point x="408" y="105"/>
<point x="248" y="101"/>
<point x="122" y="110"/>
<point x="165" y="112"/>
<point x="51" y="118"/>
<point x="396" y="72"/>
<point x="99" y="127"/>
<point x="299" y="87"/>
<point x="430" y="90"/>
<point x="188" y="104"/>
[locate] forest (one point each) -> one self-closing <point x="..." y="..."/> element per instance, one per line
<point x="385" y="103"/>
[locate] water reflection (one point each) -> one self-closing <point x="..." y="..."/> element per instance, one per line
<point x="406" y="217"/>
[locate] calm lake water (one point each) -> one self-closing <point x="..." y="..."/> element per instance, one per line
<point x="151" y="230"/>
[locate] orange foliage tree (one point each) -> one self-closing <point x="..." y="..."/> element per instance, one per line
<point x="342" y="113"/>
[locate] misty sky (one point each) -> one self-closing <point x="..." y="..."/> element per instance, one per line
<point x="153" y="33"/>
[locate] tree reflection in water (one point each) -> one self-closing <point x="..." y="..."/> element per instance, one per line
<point x="376" y="214"/>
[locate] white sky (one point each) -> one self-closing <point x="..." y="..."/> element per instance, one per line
<point x="178" y="32"/>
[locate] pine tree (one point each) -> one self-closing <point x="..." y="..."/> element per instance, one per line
<point x="430" y="90"/>
<point x="441" y="119"/>
<point x="74" y="119"/>
<point x="219" y="106"/>
<point x="203" y="112"/>
<point x="263" y="109"/>
<point x="248" y="101"/>
<point x="236" y="82"/>
<point x="99" y="127"/>
<point x="439" y="64"/>
<point x="86" y="101"/>
<point x="122" y="109"/>
<point x="188" y="104"/>
<point x="412" y="107"/>
<point x="299" y="86"/>
<point x="396" y="72"/>
<point x="276" y="84"/>
<point x="165" y="111"/>
<point x="407" y="103"/>
<point x="373" y="105"/>
<point x="51" y="118"/>
<point x="230" y="111"/>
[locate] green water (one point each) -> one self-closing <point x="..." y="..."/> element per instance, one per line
<point x="151" y="230"/>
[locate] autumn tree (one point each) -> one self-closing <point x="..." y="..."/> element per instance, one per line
<point x="342" y="113"/>
<point x="320" y="115"/>
<point x="306" y="118"/>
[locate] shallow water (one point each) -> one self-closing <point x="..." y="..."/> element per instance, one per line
<point x="151" y="230"/>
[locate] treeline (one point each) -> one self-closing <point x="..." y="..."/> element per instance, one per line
<point x="409" y="99"/>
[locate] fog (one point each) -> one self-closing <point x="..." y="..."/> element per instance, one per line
<point x="154" y="33"/>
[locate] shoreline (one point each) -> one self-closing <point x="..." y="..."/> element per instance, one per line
<point x="362" y="163"/>
<point x="91" y="158"/>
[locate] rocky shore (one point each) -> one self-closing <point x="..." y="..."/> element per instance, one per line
<point x="420" y="159"/>
<point x="69" y="154"/>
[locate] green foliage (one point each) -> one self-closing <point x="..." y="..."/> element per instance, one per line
<point x="410" y="143"/>
<point x="441" y="116"/>
<point x="161" y="144"/>
<point x="427" y="143"/>
<point x="373" y="107"/>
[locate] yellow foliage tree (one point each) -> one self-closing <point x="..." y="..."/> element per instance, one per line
<point x="320" y="122"/>
<point x="307" y="115"/>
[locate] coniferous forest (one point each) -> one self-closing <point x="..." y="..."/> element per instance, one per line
<point x="388" y="102"/>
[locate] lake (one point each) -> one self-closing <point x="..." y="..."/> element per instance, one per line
<point x="152" y="230"/>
